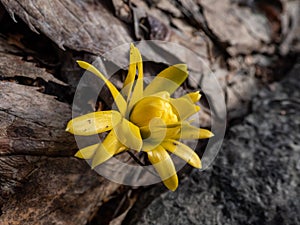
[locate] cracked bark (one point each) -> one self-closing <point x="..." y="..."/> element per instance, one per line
<point x="41" y="183"/>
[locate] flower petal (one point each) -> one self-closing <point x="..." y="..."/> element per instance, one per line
<point x="182" y="151"/>
<point x="163" y="94"/>
<point x="93" y="123"/>
<point x="167" y="80"/>
<point x="129" y="135"/>
<point x="87" y="152"/>
<point x="193" y="96"/>
<point x="150" y="107"/>
<point x="163" y="164"/>
<point x="120" y="101"/>
<point x="159" y="131"/>
<point x="107" y="149"/>
<point x="128" y="83"/>
<point x="184" y="107"/>
<point x="190" y="132"/>
<point x="137" y="92"/>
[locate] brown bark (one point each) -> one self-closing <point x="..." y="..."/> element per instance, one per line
<point x="41" y="183"/>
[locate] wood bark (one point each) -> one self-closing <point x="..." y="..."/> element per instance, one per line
<point x="243" y="42"/>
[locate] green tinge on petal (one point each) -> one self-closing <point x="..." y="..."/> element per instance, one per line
<point x="87" y="152"/>
<point x="190" y="132"/>
<point x="107" y="149"/>
<point x="167" y="80"/>
<point x="120" y="101"/>
<point x="164" y="166"/>
<point x="129" y="135"/>
<point x="184" y="107"/>
<point x="182" y="151"/>
<point x="93" y="123"/>
<point x="137" y="92"/>
<point x="128" y="83"/>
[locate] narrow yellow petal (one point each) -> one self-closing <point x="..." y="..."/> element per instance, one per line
<point x="184" y="107"/>
<point x="190" y="132"/>
<point x="164" y="166"/>
<point x="87" y="152"/>
<point x="128" y="83"/>
<point x="120" y="101"/>
<point x="167" y="80"/>
<point x="107" y="149"/>
<point x="129" y="135"/>
<point x="93" y="123"/>
<point x="182" y="151"/>
<point x="137" y="92"/>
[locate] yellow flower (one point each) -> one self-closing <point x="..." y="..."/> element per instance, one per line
<point x="148" y="120"/>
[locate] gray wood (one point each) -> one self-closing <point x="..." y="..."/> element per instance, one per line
<point x="40" y="180"/>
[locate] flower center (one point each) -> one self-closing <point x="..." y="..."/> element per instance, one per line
<point x="153" y="107"/>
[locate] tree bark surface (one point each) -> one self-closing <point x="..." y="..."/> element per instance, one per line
<point x="244" y="43"/>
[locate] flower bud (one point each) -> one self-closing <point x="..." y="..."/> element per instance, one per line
<point x="151" y="107"/>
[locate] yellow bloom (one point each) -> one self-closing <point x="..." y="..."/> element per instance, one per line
<point x="148" y="120"/>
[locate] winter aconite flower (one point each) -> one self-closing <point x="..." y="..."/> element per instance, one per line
<point x="147" y="119"/>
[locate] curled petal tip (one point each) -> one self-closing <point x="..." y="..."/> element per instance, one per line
<point x="81" y="63"/>
<point x="194" y="96"/>
<point x="197" y="164"/>
<point x="79" y="155"/>
<point x="87" y="152"/>
<point x="210" y="134"/>
<point x="205" y="134"/>
<point x="181" y="66"/>
<point x="200" y="167"/>
<point x="94" y="164"/>
<point x="171" y="183"/>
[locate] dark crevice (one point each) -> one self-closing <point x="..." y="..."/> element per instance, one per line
<point x="61" y="92"/>
<point x="37" y="49"/>
<point x="112" y="208"/>
<point x="33" y="47"/>
<point x="132" y="216"/>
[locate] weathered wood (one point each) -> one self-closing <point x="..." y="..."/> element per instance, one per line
<point x="55" y="190"/>
<point x="38" y="176"/>
<point x="40" y="180"/>
<point x="82" y="25"/>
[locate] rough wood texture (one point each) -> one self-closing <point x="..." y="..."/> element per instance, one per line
<point x="240" y="41"/>
<point x="56" y="190"/>
<point x="38" y="176"/>
<point x="81" y="25"/>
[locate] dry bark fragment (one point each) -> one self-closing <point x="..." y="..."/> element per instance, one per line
<point x="79" y="25"/>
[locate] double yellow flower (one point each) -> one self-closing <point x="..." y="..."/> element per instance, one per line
<point x="148" y="120"/>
